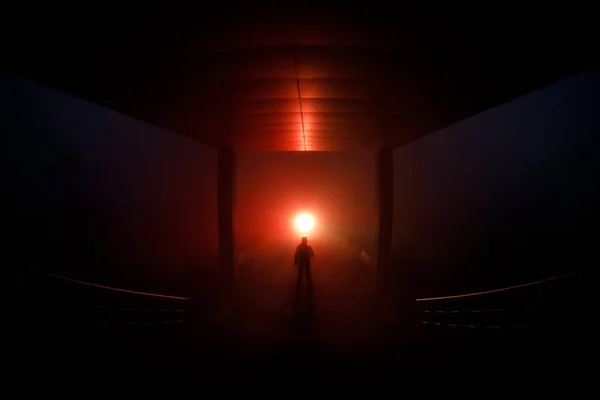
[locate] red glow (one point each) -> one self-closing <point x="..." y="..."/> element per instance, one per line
<point x="305" y="223"/>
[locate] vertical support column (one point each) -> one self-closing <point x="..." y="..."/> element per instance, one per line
<point x="385" y="197"/>
<point x="226" y="207"/>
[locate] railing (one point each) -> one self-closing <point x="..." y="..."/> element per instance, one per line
<point x="548" y="305"/>
<point x="61" y="301"/>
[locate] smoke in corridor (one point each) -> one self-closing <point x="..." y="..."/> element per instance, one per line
<point x="328" y="197"/>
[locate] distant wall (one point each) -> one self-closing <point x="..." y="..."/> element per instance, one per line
<point x="338" y="188"/>
<point x="98" y="195"/>
<point x="507" y="196"/>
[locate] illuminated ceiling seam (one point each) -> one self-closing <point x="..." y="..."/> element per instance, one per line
<point x="298" y="87"/>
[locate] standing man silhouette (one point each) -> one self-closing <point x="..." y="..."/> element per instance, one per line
<point x="304" y="253"/>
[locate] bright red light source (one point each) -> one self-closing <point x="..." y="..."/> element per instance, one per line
<point x="305" y="223"/>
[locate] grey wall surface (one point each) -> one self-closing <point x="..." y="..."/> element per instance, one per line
<point x="505" y="197"/>
<point x="100" y="196"/>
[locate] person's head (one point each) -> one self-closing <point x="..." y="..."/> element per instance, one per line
<point x="304" y="240"/>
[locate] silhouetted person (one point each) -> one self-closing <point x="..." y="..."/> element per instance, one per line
<point x="302" y="260"/>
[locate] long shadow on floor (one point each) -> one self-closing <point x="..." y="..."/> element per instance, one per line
<point x="304" y="344"/>
<point x="304" y="321"/>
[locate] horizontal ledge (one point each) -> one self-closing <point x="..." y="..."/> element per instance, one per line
<point x="314" y="113"/>
<point x="341" y="135"/>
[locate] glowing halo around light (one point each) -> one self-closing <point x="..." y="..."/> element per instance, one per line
<point x="305" y="223"/>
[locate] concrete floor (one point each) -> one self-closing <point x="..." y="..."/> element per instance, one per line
<point x="344" y="328"/>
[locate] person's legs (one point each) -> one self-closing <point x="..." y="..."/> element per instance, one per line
<point x="308" y="277"/>
<point x="299" y="279"/>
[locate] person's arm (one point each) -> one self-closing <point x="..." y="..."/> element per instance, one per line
<point x="311" y="253"/>
<point x="296" y="257"/>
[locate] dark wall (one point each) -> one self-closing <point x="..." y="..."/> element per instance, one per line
<point x="338" y="188"/>
<point x="100" y="196"/>
<point x="505" y="197"/>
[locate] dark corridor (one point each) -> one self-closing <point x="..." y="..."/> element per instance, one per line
<point x="156" y="159"/>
